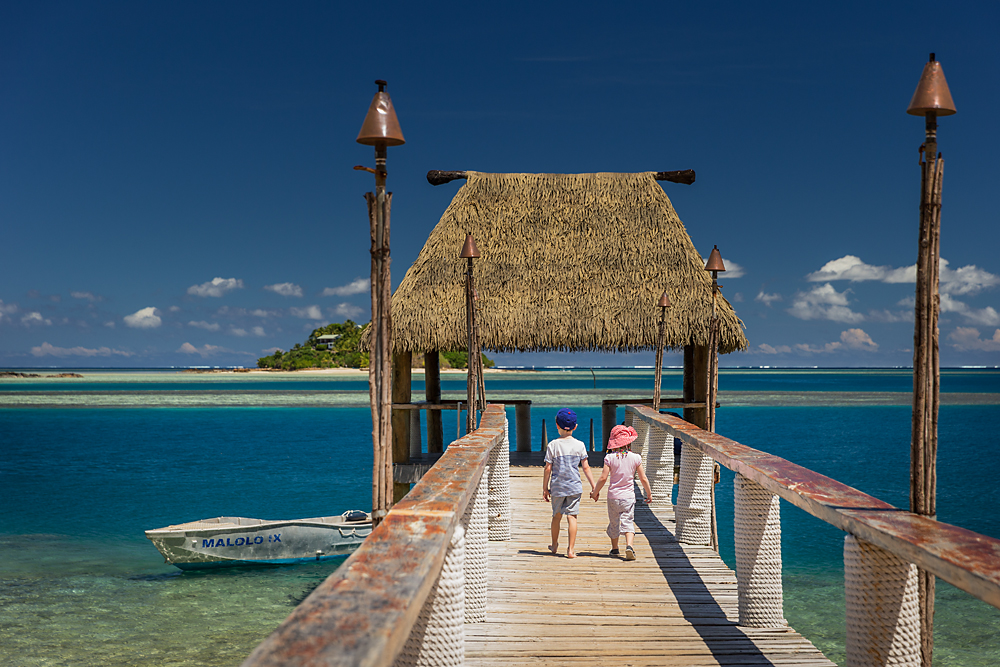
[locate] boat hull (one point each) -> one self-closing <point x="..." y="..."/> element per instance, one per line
<point x="234" y="541"/>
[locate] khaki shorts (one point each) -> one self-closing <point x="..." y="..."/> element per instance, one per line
<point x="621" y="513"/>
<point x="568" y="505"/>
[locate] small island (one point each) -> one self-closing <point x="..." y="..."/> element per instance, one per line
<point x="339" y="346"/>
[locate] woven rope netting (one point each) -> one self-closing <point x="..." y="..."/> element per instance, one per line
<point x="568" y="262"/>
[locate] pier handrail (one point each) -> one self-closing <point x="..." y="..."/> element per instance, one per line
<point x="363" y="614"/>
<point x="965" y="559"/>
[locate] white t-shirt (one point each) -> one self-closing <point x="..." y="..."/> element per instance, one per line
<point x="565" y="455"/>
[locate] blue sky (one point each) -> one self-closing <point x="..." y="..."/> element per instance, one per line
<point x="176" y="183"/>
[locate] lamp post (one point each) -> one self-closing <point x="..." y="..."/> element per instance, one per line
<point x="380" y="129"/>
<point x="715" y="266"/>
<point x="470" y="252"/>
<point x="931" y="99"/>
<point x="663" y="304"/>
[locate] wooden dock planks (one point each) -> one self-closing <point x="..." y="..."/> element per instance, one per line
<point x="674" y="605"/>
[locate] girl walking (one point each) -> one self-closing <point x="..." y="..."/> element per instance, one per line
<point x="621" y="466"/>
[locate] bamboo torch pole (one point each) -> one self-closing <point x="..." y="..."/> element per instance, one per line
<point x="469" y="252"/>
<point x="663" y="304"/>
<point x="931" y="99"/>
<point x="380" y="129"/>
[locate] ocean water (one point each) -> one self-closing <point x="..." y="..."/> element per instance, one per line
<point x="87" y="464"/>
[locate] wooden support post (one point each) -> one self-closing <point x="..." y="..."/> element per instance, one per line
<point x="432" y="394"/>
<point x="702" y="363"/>
<point x="401" y="362"/>
<point x="545" y="437"/>
<point x="416" y="443"/>
<point x="699" y="388"/>
<point x="687" y="390"/>
<point x="522" y="417"/>
<point x="609" y="412"/>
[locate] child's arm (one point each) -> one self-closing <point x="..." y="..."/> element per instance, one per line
<point x="545" y="481"/>
<point x="588" y="475"/>
<point x="645" y="483"/>
<point x="596" y="493"/>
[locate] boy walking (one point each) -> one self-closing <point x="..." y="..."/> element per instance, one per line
<point x="562" y="460"/>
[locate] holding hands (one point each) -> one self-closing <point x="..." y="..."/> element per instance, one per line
<point x="595" y="495"/>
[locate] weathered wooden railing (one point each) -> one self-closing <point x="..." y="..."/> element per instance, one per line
<point x="405" y="595"/>
<point x="882" y="550"/>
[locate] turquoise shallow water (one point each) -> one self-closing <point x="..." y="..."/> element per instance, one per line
<point x="80" y="584"/>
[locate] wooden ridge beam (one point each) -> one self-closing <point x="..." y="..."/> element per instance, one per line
<point x="439" y="177"/>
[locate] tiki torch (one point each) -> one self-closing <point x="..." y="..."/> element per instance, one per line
<point x="663" y="304"/>
<point x="931" y="99"/>
<point x="713" y="265"/>
<point x="470" y="252"/>
<point x="380" y="129"/>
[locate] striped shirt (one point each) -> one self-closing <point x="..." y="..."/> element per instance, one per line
<point x="565" y="455"/>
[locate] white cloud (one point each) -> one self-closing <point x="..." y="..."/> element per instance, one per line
<point x="984" y="316"/>
<point x="964" y="280"/>
<point x="359" y="286"/>
<point x="174" y="309"/>
<point x="307" y="313"/>
<point x="258" y="331"/>
<point x="348" y="310"/>
<point x="204" y="351"/>
<point x="967" y="338"/>
<point x="236" y="331"/>
<point x="850" y="267"/>
<point x="987" y="317"/>
<point x="207" y="326"/>
<point x="46" y="350"/>
<point x="89" y="296"/>
<point x="216" y="287"/>
<point x="7" y="309"/>
<point x="110" y="324"/>
<point x="33" y="318"/>
<point x="886" y="315"/>
<point x="285" y="289"/>
<point x="767" y="299"/>
<point x="809" y="349"/>
<point x="261" y="313"/>
<point x="733" y="270"/>
<point x="146" y="318"/>
<point x="824" y="303"/>
<point x="764" y="348"/>
<point x="852" y="339"/>
<point x="856" y="339"/>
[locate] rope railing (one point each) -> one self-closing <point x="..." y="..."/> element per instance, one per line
<point x="883" y="549"/>
<point x="404" y="597"/>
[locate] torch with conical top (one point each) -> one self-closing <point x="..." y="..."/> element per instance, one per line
<point x="380" y="129"/>
<point x="931" y="99"/>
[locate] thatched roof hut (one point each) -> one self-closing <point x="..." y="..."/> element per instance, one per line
<point x="569" y="262"/>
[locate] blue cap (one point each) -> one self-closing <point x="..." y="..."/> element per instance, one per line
<point x="566" y="419"/>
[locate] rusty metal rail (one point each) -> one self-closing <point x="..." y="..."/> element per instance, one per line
<point x="965" y="559"/>
<point x="364" y="612"/>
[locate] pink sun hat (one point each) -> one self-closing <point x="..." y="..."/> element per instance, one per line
<point x="621" y="436"/>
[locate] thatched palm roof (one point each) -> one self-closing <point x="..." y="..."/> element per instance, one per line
<point x="569" y="262"/>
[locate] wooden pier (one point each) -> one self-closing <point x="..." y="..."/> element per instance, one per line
<point x="675" y="604"/>
<point x="459" y="571"/>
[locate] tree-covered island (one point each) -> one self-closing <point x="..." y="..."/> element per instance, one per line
<point x="338" y="346"/>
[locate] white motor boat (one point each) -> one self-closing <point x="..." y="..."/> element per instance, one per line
<point x="227" y="541"/>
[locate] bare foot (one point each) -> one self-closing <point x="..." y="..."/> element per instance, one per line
<point x="553" y="548"/>
<point x="570" y="554"/>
